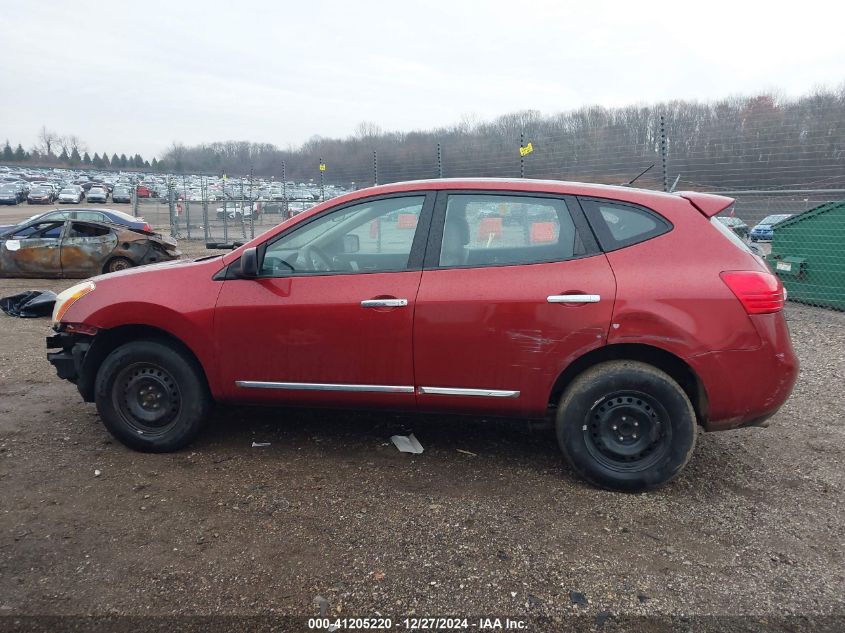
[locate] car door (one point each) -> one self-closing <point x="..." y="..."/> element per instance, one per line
<point x="85" y="248"/>
<point x="329" y="320"/>
<point x="32" y="251"/>
<point x="513" y="289"/>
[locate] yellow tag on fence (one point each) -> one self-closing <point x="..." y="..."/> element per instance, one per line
<point x="322" y="167"/>
<point x="524" y="151"/>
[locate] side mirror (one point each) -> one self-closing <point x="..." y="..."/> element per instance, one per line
<point x="249" y="263"/>
<point x="351" y="243"/>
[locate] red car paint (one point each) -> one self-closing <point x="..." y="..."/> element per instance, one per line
<point x="485" y="328"/>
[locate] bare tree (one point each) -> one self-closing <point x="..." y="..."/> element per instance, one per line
<point x="46" y="140"/>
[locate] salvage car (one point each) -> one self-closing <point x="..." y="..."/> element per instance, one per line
<point x="11" y="193"/>
<point x="64" y="247"/>
<point x="765" y="230"/>
<point x="94" y="215"/>
<point x="574" y="314"/>
<point x="71" y="194"/>
<point x="735" y="224"/>
<point x="97" y="194"/>
<point x="41" y="195"/>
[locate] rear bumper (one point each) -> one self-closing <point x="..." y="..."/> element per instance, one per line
<point x="747" y="387"/>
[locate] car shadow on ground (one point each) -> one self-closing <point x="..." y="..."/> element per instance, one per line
<point x="456" y="444"/>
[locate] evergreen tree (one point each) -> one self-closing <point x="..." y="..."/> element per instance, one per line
<point x="8" y="154"/>
<point x="20" y="153"/>
<point x="35" y="155"/>
<point x="115" y="161"/>
<point x="75" y="158"/>
<point x="86" y="159"/>
<point x="63" y="157"/>
<point x="105" y="160"/>
<point x="96" y="160"/>
<point x="123" y="160"/>
<point x="147" y="163"/>
<point x="154" y="164"/>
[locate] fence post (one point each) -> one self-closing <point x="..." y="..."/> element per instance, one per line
<point x="285" y="191"/>
<point x="663" y="151"/>
<point x="243" y="222"/>
<point x="134" y="194"/>
<point x="322" y="184"/>
<point x="225" y="212"/>
<point x="439" y="162"/>
<point x="252" y="206"/>
<point x="521" y="155"/>
<point x="375" y="167"/>
<point x="204" y="189"/>
<point x="187" y="206"/>
<point x="174" y="228"/>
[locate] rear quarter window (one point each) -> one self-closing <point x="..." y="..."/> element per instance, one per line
<point x="620" y="224"/>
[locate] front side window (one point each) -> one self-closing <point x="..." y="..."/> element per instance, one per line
<point x="498" y="230"/>
<point x="373" y="236"/>
<point x="42" y="230"/>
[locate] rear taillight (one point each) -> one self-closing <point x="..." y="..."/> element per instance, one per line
<point x="147" y="227"/>
<point x="758" y="292"/>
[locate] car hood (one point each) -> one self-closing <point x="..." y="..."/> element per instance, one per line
<point x="763" y="227"/>
<point x="162" y="267"/>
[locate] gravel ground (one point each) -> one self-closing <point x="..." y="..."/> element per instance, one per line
<point x="754" y="525"/>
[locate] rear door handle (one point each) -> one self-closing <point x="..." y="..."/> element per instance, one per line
<point x="573" y="298"/>
<point x="384" y="303"/>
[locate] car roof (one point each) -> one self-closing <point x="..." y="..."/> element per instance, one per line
<point x="645" y="197"/>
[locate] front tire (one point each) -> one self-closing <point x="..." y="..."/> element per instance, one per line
<point x="626" y="425"/>
<point x="151" y="396"/>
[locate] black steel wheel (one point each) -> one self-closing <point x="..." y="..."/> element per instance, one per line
<point x="152" y="395"/>
<point x="626" y="425"/>
<point x="627" y="431"/>
<point x="148" y="398"/>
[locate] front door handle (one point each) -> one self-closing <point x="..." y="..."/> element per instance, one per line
<point x="384" y="303"/>
<point x="573" y="298"/>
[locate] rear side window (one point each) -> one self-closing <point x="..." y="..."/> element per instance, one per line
<point x="619" y="224"/>
<point x="501" y="230"/>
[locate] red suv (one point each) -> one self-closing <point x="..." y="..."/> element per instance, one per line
<point x="631" y="316"/>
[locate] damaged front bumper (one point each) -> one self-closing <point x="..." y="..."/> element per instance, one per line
<point x="69" y="361"/>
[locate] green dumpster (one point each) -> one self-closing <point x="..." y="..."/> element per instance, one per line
<point x="808" y="254"/>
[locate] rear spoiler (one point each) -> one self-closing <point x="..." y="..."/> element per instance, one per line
<point x="708" y="203"/>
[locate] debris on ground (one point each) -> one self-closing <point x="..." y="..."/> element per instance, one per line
<point x="29" y="304"/>
<point x="407" y="443"/>
<point x="260" y="444"/>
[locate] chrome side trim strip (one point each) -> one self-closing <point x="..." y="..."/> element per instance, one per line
<point x="322" y="386"/>
<point x="573" y="298"/>
<point x="454" y="391"/>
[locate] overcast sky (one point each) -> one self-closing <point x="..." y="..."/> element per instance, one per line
<point x="135" y="76"/>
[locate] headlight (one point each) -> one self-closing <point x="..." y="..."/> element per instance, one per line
<point x="68" y="297"/>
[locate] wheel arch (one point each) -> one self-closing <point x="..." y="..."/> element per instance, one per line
<point x="677" y="368"/>
<point x="107" y="341"/>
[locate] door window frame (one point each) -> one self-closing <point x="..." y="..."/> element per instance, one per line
<point x="415" y="258"/>
<point x="438" y="223"/>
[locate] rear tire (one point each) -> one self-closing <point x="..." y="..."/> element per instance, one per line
<point x="117" y="263"/>
<point x="152" y="396"/>
<point x="626" y="425"/>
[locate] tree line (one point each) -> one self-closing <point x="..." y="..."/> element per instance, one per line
<point x="763" y="140"/>
<point x="57" y="150"/>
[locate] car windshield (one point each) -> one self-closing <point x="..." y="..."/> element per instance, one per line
<point x="70" y="191"/>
